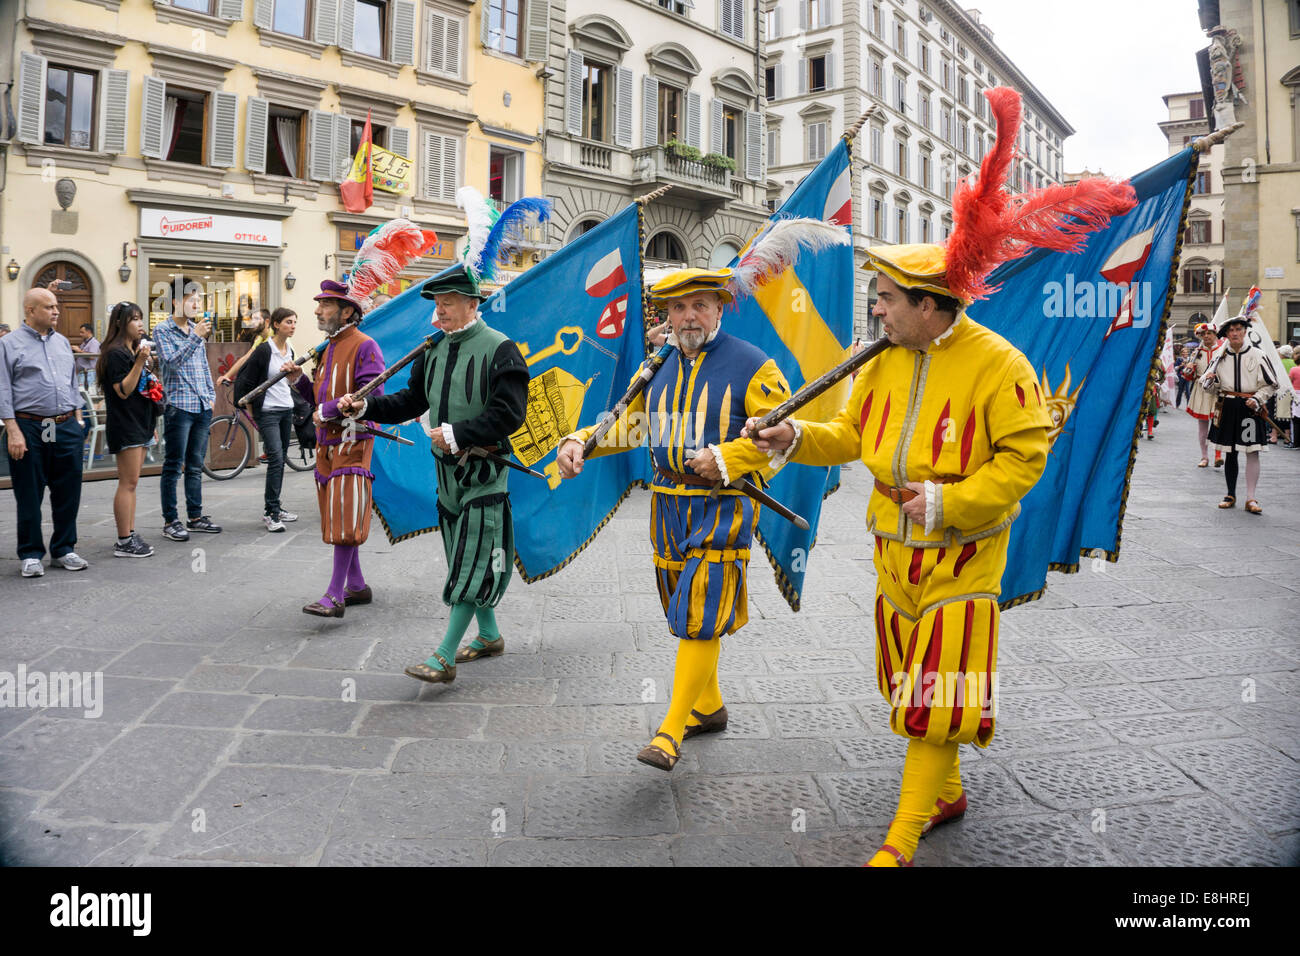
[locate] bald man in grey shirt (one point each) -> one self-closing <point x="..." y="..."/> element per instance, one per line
<point x="41" y="407"/>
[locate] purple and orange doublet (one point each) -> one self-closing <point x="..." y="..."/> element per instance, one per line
<point x="343" y="475"/>
<point x="967" y="414"/>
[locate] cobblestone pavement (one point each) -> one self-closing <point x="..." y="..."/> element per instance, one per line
<point x="1148" y="711"/>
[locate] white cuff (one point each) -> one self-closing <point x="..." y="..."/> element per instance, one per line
<point x="778" y="460"/>
<point x="450" y="438"/>
<point x="932" y="506"/>
<point x="722" y="463"/>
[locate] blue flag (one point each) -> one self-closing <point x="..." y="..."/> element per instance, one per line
<point x="577" y="317"/>
<point x="803" y="320"/>
<point x="1091" y="325"/>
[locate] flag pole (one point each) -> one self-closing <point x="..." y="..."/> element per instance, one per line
<point x="852" y="131"/>
<point x="1203" y="144"/>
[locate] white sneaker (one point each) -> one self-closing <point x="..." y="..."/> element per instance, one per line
<point x="287" y="516"/>
<point x="272" y="523"/>
<point x="32" y="568"/>
<point x="73" y="562"/>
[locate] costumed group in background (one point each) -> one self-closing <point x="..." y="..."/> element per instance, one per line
<point x="939" y="521"/>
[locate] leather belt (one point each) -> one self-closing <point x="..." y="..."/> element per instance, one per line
<point x="57" y="419"/>
<point x="1233" y="394"/>
<point x="680" y="479"/>
<point x="900" y="495"/>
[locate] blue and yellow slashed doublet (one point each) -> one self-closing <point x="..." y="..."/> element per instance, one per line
<point x="968" y="413"/>
<point x="702" y="541"/>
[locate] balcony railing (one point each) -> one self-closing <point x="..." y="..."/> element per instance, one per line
<point x="595" y="157"/>
<point x="688" y="175"/>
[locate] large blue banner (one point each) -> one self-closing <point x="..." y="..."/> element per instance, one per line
<point x="1090" y="324"/>
<point x="804" y="321"/>
<point x="577" y="318"/>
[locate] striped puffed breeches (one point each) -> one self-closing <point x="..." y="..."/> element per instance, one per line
<point x="701" y="555"/>
<point x="937" y="637"/>
<point x="343" y="481"/>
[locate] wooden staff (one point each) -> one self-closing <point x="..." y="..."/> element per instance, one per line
<point x="648" y="369"/>
<point x="313" y="355"/>
<point x="429" y="342"/>
<point x="815" y="388"/>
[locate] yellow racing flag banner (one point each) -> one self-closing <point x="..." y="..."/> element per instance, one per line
<point x="388" y="171"/>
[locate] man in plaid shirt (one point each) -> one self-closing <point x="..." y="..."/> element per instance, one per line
<point x="189" y="394"/>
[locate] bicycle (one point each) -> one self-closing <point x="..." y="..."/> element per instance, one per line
<point x="230" y="447"/>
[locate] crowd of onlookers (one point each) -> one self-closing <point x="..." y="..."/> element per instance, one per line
<point x="42" y="407"/>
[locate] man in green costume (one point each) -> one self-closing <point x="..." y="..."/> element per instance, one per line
<point x="474" y="384"/>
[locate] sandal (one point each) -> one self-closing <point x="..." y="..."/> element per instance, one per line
<point x="1228" y="502"/>
<point x="321" y="609"/>
<point x="362" y="596"/>
<point x="424" y="672"/>
<point x="947" y="811"/>
<point x="657" y="756"/>
<point x="714" y="723"/>
<point x="485" y="649"/>
<point x="1252" y="507"/>
<point x="1203" y="463"/>
<point x="902" y="860"/>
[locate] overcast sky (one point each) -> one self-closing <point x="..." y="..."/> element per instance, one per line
<point x="1105" y="66"/>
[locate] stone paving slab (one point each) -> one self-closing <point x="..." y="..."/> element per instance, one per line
<point x="1148" y="709"/>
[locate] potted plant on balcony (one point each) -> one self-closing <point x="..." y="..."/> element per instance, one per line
<point x="674" y="149"/>
<point x="719" y="161"/>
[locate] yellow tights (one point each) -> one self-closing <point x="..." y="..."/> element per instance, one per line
<point x="928" y="772"/>
<point x="695" y="686"/>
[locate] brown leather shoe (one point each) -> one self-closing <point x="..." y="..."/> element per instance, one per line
<point x="489" y="649"/>
<point x="321" y="609"/>
<point x="714" y="723"/>
<point x="351" y="597"/>
<point x="658" y="757"/>
<point x="424" y="672"/>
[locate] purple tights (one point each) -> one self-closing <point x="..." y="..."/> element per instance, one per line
<point x="347" y="572"/>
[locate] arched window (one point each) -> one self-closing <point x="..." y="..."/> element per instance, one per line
<point x="665" y="247"/>
<point x="583" y="227"/>
<point x="722" y="255"/>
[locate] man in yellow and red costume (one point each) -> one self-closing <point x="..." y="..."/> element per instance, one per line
<point x="952" y="424"/>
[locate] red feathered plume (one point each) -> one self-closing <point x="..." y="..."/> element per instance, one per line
<point x="385" y="253"/>
<point x="991" y="227"/>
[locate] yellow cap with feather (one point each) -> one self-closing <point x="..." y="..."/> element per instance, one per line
<point x="921" y="266"/>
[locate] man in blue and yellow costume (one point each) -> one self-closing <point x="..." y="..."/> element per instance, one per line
<point x="952" y="424"/>
<point x="693" y="410"/>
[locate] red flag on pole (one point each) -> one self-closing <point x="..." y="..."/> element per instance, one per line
<point x="358" y="191"/>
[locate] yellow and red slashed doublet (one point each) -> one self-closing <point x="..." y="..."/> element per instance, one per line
<point x="968" y="412"/>
<point x="343" y="475"/>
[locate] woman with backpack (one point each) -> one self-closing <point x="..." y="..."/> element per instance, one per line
<point x="272" y="410"/>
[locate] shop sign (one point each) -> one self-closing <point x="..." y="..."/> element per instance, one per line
<point x="209" y="227"/>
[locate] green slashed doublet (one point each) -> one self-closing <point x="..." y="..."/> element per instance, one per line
<point x="476" y="381"/>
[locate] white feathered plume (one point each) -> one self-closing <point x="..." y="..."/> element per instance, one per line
<point x="779" y="247"/>
<point x="480" y="216"/>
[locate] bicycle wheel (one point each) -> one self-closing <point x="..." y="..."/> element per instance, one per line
<point x="229" y="448"/>
<point x="297" y="457"/>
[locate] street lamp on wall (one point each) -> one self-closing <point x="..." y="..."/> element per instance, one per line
<point x="13" y="269"/>
<point x="124" y="271"/>
<point x="290" y="280"/>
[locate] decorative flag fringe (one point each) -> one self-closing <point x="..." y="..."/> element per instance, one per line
<point x="779" y="248"/>
<point x="385" y="253"/>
